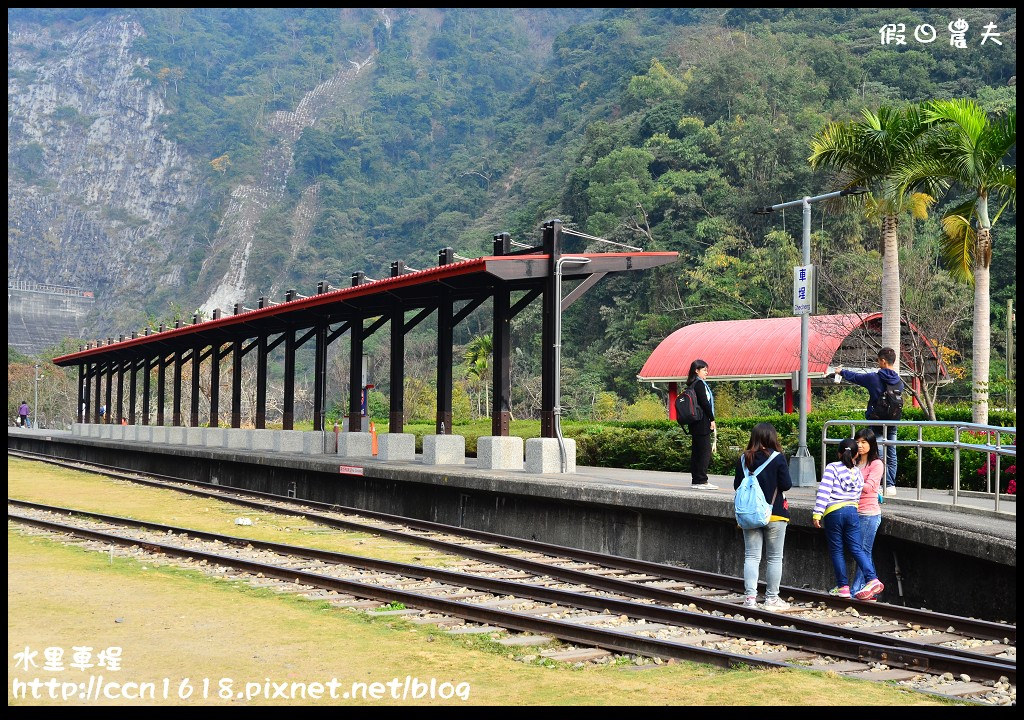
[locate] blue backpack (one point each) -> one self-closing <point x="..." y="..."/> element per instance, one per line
<point x="752" y="510"/>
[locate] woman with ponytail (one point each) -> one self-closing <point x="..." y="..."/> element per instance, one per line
<point x="835" y="509"/>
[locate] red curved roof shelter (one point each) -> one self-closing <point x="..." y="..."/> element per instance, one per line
<point x="769" y="349"/>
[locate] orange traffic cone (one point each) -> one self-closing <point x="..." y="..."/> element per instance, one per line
<point x="373" y="436"/>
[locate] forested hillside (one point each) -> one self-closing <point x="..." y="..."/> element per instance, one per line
<point x="657" y="128"/>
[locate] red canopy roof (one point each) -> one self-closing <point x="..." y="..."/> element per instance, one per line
<point x="744" y="349"/>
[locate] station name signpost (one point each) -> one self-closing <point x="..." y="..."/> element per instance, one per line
<point x="801" y="465"/>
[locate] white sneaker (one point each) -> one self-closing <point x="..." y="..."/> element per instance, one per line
<point x="750" y="601"/>
<point x="706" y="486"/>
<point x="775" y="603"/>
<point x="890" y="491"/>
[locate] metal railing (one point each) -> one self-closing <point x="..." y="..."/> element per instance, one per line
<point x="998" y="449"/>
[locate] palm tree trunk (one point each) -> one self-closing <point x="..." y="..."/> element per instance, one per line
<point x="891" y="286"/>
<point x="982" y="326"/>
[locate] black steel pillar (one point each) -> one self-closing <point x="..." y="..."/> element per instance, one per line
<point x="98" y="377"/>
<point x="108" y="395"/>
<point x="501" y="344"/>
<point x="132" y="387"/>
<point x="288" y="412"/>
<point x="236" y="385"/>
<point x="355" y="366"/>
<point x="214" y="385"/>
<point x="445" y="311"/>
<point x="261" y="382"/>
<point x="147" y="371"/>
<point x="161" y="382"/>
<point x="320" y="376"/>
<point x="119" y="416"/>
<point x="196" y="360"/>
<point x="176" y="391"/>
<point x="396" y="376"/>
<point x="83" y="393"/>
<point x="552" y="248"/>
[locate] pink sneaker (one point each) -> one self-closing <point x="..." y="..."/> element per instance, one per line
<point x="873" y="588"/>
<point x="843" y="592"/>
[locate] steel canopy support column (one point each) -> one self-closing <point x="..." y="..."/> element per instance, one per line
<point x="96" y="373"/>
<point x="107" y="395"/>
<point x="552" y="248"/>
<point x="176" y="391"/>
<point x="120" y="393"/>
<point x="161" y="389"/>
<point x="445" y="310"/>
<point x="501" y="336"/>
<point x="261" y="382"/>
<point x="83" y="392"/>
<point x="236" y="385"/>
<point x="396" y="376"/>
<point x="147" y="369"/>
<point x="320" y="376"/>
<point x="193" y="420"/>
<point x="215" y="385"/>
<point x="288" y="414"/>
<point x="132" y="388"/>
<point x="355" y="375"/>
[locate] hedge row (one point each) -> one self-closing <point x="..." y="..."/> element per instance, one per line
<point x="662" y="445"/>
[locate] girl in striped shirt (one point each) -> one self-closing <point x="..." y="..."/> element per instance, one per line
<point x="835" y="509"/>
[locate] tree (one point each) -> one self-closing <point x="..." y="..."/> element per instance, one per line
<point x="478" y="354"/>
<point x="967" y="150"/>
<point x="870" y="153"/>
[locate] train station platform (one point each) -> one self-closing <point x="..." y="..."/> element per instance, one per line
<point x="958" y="559"/>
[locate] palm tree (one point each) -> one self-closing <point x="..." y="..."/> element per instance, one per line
<point x="967" y="150"/>
<point x="868" y="153"/>
<point x="477" y="355"/>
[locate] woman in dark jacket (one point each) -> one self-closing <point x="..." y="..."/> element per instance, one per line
<point x="774" y="481"/>
<point x="700" y="454"/>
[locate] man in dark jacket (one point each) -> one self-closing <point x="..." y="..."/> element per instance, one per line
<point x="876" y="383"/>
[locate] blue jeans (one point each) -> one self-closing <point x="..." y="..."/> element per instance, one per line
<point x="842" y="530"/>
<point x="773" y="536"/>
<point x="868" y="529"/>
<point x="888" y="453"/>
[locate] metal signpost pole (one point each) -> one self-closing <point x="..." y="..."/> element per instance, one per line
<point x="801" y="465"/>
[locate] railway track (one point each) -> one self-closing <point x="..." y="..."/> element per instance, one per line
<point x="877" y="633"/>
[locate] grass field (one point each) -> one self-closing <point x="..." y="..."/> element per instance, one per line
<point x="176" y="623"/>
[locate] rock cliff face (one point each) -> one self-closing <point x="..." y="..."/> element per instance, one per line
<point x="94" y="189"/>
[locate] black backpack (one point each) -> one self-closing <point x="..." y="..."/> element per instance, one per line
<point x="688" y="410"/>
<point x="890" y="403"/>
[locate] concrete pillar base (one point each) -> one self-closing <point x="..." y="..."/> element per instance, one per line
<point x="396" y="446"/>
<point x="444" y="450"/>
<point x="353" y="445"/>
<point x="543" y="456"/>
<point x="496" y="452"/>
<point x="77" y="428"/>
<point x="131" y="433"/>
<point x="238" y="439"/>
<point x="263" y="440"/>
<point x="290" y="441"/>
<point x="213" y="437"/>
<point x="159" y="434"/>
<point x="144" y="433"/>
<point x="175" y="435"/>
<point x="317" y="443"/>
<point x="194" y="436"/>
<point x="105" y="431"/>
